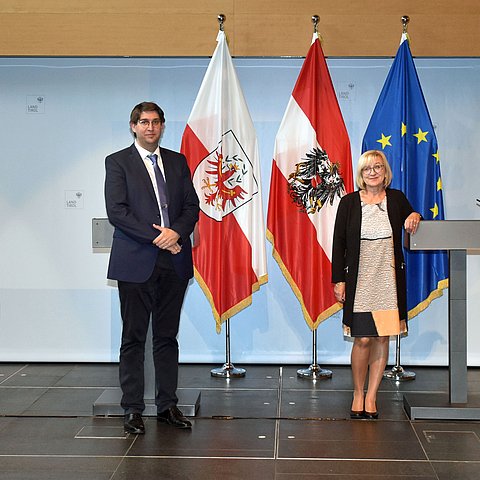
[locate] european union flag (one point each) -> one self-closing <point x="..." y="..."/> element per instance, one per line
<point x="401" y="127"/>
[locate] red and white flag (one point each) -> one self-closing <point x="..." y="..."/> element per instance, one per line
<point x="222" y="151"/>
<point x="311" y="171"/>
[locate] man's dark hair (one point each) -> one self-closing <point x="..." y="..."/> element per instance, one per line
<point x="146" y="107"/>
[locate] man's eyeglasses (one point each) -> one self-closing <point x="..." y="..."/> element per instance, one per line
<point x="376" y="168"/>
<point x="146" y="123"/>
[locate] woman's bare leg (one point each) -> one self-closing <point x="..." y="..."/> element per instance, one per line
<point x="360" y="358"/>
<point x="377" y="363"/>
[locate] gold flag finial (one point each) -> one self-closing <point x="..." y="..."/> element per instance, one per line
<point x="405" y="20"/>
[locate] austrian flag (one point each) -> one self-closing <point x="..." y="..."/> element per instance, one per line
<point x="311" y="171"/>
<point x="221" y="147"/>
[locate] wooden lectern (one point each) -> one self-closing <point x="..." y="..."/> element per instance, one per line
<point x="455" y="236"/>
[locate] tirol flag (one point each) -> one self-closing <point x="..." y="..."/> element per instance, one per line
<point x="220" y="144"/>
<point x="311" y="171"/>
<point x="401" y="127"/>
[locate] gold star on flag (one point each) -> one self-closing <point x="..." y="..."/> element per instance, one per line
<point x="434" y="210"/>
<point x="437" y="156"/>
<point x="421" y="136"/>
<point x="439" y="184"/>
<point x="404" y="129"/>
<point x="385" y="141"/>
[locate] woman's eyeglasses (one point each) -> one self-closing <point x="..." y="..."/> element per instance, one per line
<point x="376" y="168"/>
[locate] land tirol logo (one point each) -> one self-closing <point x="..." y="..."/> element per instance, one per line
<point x="225" y="178"/>
<point x="315" y="181"/>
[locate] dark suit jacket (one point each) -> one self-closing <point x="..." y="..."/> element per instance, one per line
<point x="132" y="208"/>
<point x="346" y="247"/>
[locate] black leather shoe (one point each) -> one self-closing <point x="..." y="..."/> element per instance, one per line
<point x="370" y="415"/>
<point x="133" y="423"/>
<point x="173" y="416"/>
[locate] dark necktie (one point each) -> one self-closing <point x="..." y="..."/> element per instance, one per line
<point x="162" y="190"/>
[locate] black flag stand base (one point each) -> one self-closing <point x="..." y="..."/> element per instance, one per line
<point x="314" y="371"/>
<point x="397" y="373"/>
<point x="228" y="370"/>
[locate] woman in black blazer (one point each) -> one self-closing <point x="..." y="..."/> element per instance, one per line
<point x="368" y="271"/>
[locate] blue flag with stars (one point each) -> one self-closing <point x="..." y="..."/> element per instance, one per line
<point x="401" y="127"/>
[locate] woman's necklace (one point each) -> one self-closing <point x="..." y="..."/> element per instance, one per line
<point x="372" y="197"/>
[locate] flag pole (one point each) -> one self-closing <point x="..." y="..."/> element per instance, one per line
<point x="220" y="123"/>
<point x="314" y="371"/>
<point x="228" y="370"/>
<point x="397" y="373"/>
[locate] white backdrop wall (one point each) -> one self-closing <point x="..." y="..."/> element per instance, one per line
<point x="60" y="118"/>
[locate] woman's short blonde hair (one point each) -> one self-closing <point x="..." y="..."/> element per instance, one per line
<point x="366" y="158"/>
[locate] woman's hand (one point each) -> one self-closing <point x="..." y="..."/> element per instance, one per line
<point x="339" y="291"/>
<point x="411" y="222"/>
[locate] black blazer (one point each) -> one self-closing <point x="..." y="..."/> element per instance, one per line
<point x="346" y="246"/>
<point x="132" y="209"/>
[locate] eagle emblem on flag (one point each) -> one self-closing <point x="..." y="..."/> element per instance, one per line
<point x="315" y="181"/>
<point x="223" y="184"/>
<point x="226" y="178"/>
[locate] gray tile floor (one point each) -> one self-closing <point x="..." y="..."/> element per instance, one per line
<point x="269" y="425"/>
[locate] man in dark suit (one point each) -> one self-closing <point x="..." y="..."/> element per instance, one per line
<point x="152" y="204"/>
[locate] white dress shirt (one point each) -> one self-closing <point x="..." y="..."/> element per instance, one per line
<point x="149" y="166"/>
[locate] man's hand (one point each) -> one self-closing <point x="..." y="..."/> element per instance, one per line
<point x="167" y="240"/>
<point x="175" y="249"/>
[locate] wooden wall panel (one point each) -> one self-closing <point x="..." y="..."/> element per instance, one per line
<point x="254" y="27"/>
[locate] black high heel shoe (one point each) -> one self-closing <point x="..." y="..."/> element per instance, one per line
<point x="370" y="415"/>
<point x="357" y="415"/>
